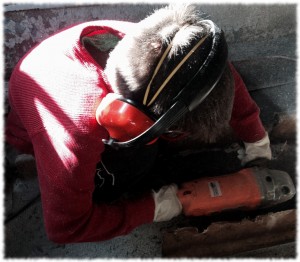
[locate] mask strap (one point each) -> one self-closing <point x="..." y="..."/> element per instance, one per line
<point x="172" y="73"/>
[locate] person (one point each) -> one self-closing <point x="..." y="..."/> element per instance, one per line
<point x="57" y="87"/>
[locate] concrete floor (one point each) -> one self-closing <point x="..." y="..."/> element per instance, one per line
<point x="253" y="32"/>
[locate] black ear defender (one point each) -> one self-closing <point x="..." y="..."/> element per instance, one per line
<point x="145" y="129"/>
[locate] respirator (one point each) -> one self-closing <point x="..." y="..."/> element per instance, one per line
<point x="131" y="124"/>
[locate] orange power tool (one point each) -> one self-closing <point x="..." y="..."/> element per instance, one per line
<point x="246" y="189"/>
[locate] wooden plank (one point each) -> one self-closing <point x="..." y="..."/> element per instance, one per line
<point x="223" y="239"/>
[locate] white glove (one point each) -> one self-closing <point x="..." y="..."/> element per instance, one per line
<point x="167" y="204"/>
<point x="259" y="149"/>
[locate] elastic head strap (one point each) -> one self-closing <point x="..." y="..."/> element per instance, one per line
<point x="155" y="72"/>
<point x="201" y="41"/>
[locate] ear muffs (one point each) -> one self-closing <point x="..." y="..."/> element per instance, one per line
<point x="121" y="118"/>
<point x="129" y="126"/>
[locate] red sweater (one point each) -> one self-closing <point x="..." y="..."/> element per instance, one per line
<point x="54" y="91"/>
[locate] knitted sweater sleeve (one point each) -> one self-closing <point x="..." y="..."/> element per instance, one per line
<point x="70" y="215"/>
<point x="53" y="99"/>
<point x="245" y="120"/>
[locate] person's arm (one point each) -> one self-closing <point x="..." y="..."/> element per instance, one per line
<point x="66" y="186"/>
<point x="246" y="123"/>
<point x="67" y="146"/>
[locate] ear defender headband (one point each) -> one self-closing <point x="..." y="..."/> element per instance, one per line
<point x="129" y="124"/>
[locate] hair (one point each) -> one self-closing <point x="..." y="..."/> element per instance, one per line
<point x="139" y="53"/>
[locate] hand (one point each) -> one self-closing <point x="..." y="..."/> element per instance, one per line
<point x="257" y="150"/>
<point x="167" y="204"/>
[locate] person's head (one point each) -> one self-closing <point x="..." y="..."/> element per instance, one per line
<point x="180" y="30"/>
